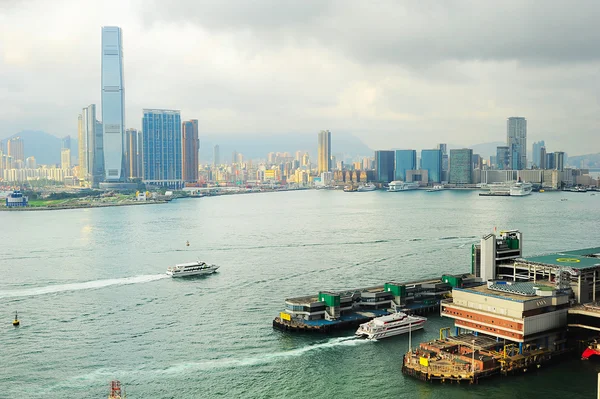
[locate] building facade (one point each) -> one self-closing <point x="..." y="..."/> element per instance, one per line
<point x="113" y="107"/>
<point x="16" y="149"/>
<point x="190" y="149"/>
<point x="216" y="156"/>
<point x="162" y="149"/>
<point x="431" y="161"/>
<point x="559" y="160"/>
<point x="324" y="151"/>
<point x="91" y="148"/>
<point x="537" y="147"/>
<point x="542" y="155"/>
<point x="65" y="158"/>
<point x="133" y="154"/>
<point x="384" y="166"/>
<point x="461" y="166"/>
<point x="503" y="158"/>
<point x="404" y="160"/>
<point x="516" y="140"/>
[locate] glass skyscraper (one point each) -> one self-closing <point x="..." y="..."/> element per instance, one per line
<point x="516" y="140"/>
<point x="190" y="150"/>
<point x="113" y="110"/>
<point x="461" y="166"/>
<point x="431" y="161"/>
<point x="537" y="148"/>
<point x="91" y="149"/>
<point x="162" y="147"/>
<point x="384" y="166"/>
<point x="324" y="150"/>
<point x="405" y="160"/>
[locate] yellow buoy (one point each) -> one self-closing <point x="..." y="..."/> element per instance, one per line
<point x="16" y="321"/>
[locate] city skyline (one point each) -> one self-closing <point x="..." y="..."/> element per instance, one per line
<point x="360" y="95"/>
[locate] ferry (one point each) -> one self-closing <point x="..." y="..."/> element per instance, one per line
<point x="398" y="185"/>
<point x="367" y="187"/>
<point x="437" y="187"/>
<point x="388" y="326"/>
<point x="350" y="189"/>
<point x="191" y="269"/>
<point x="521" y="189"/>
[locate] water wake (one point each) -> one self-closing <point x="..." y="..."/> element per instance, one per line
<point x="88" y="285"/>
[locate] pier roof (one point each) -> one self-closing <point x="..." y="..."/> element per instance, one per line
<point x="577" y="259"/>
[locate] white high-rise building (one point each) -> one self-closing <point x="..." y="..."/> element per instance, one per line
<point x="516" y="140"/>
<point x="113" y="109"/>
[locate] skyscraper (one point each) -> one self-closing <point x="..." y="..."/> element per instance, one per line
<point x="516" y="139"/>
<point x="190" y="150"/>
<point x="133" y="154"/>
<point x="65" y="158"/>
<point x="431" y="161"/>
<point x="537" y="146"/>
<point x="324" y="150"/>
<point x="216" y="156"/>
<point x="16" y="149"/>
<point x="550" y="160"/>
<point x="91" y="158"/>
<point x="461" y="166"/>
<point x="113" y="110"/>
<point x="542" y="156"/>
<point x="384" y="166"/>
<point x="559" y="160"/>
<point x="66" y="142"/>
<point x="503" y="157"/>
<point x="404" y="160"/>
<point x="162" y="147"/>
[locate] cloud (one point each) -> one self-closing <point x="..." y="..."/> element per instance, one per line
<point x="396" y="74"/>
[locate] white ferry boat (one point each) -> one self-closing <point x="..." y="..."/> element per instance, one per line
<point x="398" y="185"/>
<point x="387" y="326"/>
<point x="520" y="189"/>
<point x="367" y="187"/>
<point x="191" y="269"/>
<point x="437" y="187"/>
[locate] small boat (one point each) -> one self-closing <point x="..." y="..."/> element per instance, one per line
<point x="367" y="187"/>
<point x="115" y="390"/>
<point x="16" y="321"/>
<point x="564" y="199"/>
<point x="191" y="269"/>
<point x="388" y="326"/>
<point x="350" y="189"/>
<point x="437" y="187"/>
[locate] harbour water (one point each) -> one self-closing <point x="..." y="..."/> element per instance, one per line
<point x="95" y="304"/>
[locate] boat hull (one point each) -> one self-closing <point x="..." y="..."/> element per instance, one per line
<point x="208" y="270"/>
<point x="391" y="332"/>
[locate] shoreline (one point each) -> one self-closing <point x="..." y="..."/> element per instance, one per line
<point x="83" y="206"/>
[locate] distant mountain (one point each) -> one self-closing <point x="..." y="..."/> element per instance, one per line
<point x="343" y="146"/>
<point x="591" y="161"/>
<point x="44" y="147"/>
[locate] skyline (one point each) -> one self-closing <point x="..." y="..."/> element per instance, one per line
<point x="243" y="76"/>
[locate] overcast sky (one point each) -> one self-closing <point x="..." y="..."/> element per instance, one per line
<point x="395" y="74"/>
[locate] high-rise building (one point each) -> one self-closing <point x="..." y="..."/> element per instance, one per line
<point x="477" y="161"/>
<point x="216" y="156"/>
<point x="113" y="107"/>
<point x="306" y="159"/>
<point x="461" y="166"/>
<point x="299" y="155"/>
<point x="16" y="149"/>
<point x="503" y="157"/>
<point x="559" y="160"/>
<point x="431" y="161"/>
<point x="91" y="158"/>
<point x="537" y="161"/>
<point x="191" y="145"/>
<point x="65" y="158"/>
<point x="384" y="166"/>
<point x="542" y="157"/>
<point x="66" y="142"/>
<point x="404" y="160"/>
<point x="550" y="161"/>
<point x="324" y="150"/>
<point x="367" y="163"/>
<point x="516" y="140"/>
<point x="162" y="147"/>
<point x="30" y="163"/>
<point x="133" y="154"/>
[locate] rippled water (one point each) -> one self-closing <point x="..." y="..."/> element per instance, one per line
<point x="95" y="304"/>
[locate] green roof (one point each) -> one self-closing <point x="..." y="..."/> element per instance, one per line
<point x="575" y="259"/>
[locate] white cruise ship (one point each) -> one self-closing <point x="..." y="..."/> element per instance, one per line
<point x="367" y="187"/>
<point x="388" y="326"/>
<point x="520" y="189"/>
<point x="398" y="185"/>
<point x="191" y="269"/>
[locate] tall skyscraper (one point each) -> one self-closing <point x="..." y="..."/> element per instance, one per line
<point x="16" y="149"/>
<point x="404" y="160"/>
<point x="65" y="158"/>
<point x="91" y="158"/>
<point x="537" y="146"/>
<point x="216" y="156"/>
<point x="113" y="108"/>
<point x="516" y="139"/>
<point x="550" y="160"/>
<point x="162" y="147"/>
<point x="542" y="156"/>
<point x="384" y="166"/>
<point x="324" y="152"/>
<point x="66" y="142"/>
<point x="190" y="148"/>
<point x="431" y="161"/>
<point x="503" y="157"/>
<point x="559" y="160"/>
<point x="461" y="166"/>
<point x="133" y="154"/>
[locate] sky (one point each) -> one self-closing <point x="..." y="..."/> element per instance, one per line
<point x="396" y="74"/>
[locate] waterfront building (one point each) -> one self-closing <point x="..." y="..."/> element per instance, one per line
<point x="516" y="140"/>
<point x="133" y="154"/>
<point x="162" y="147"/>
<point x="190" y="149"/>
<point x="91" y="149"/>
<point x="542" y="156"/>
<point x="418" y="175"/>
<point x="16" y="149"/>
<point x="324" y="152"/>
<point x="559" y="160"/>
<point x="502" y="158"/>
<point x="113" y="107"/>
<point x="461" y="166"/>
<point x="216" y="156"/>
<point x="65" y="158"/>
<point x="384" y="166"/>
<point x="537" y="147"/>
<point x="550" y="160"/>
<point x="432" y="162"/>
<point x="404" y="160"/>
